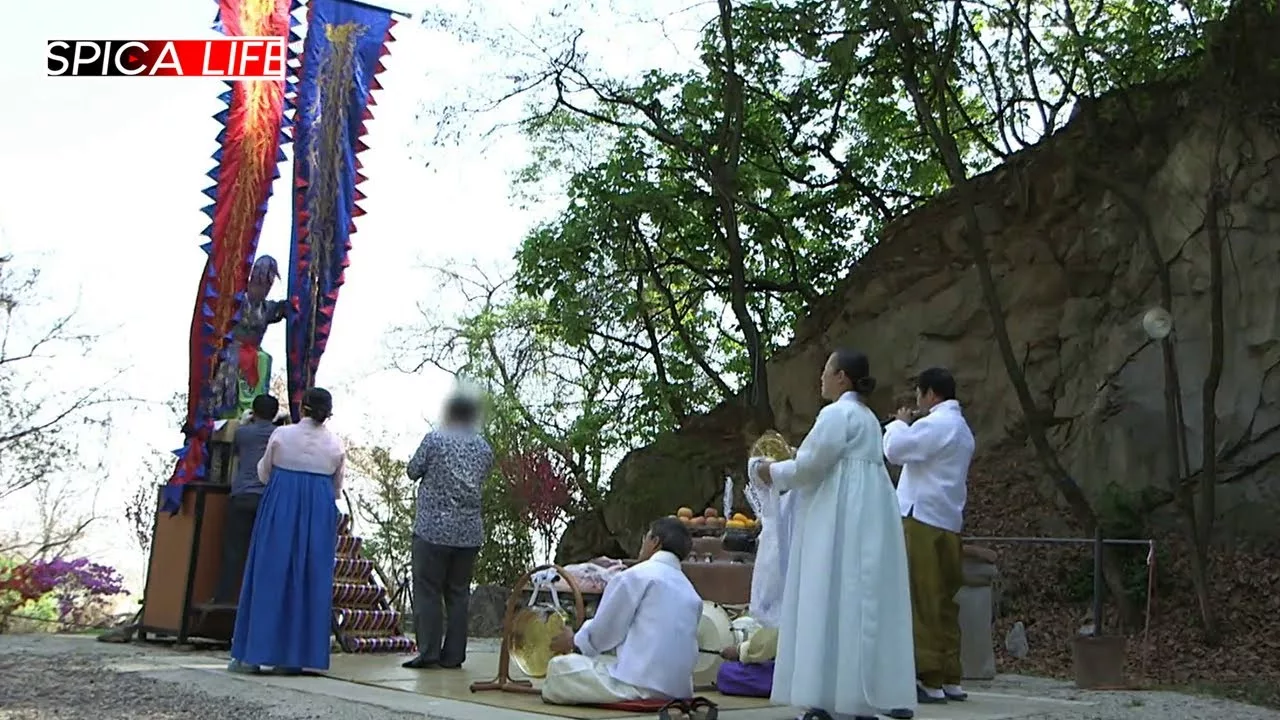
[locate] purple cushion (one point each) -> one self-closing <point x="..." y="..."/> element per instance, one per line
<point x="745" y="679"/>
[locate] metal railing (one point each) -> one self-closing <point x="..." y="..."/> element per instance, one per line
<point x="1099" y="543"/>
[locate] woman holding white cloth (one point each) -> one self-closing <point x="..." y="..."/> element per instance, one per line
<point x="845" y="639"/>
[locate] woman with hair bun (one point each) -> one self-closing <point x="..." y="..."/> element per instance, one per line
<point x="285" y="612"/>
<point x="845" y="640"/>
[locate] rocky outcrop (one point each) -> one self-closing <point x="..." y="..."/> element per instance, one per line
<point x="1063" y="225"/>
<point x="486" y="611"/>
<point x="680" y="468"/>
<point x="1075" y="280"/>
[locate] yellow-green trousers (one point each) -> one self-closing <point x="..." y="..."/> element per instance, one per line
<point x="936" y="568"/>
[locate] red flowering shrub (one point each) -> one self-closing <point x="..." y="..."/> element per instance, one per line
<point x="540" y="488"/>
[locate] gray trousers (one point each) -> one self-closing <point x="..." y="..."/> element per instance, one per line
<point x="441" y="592"/>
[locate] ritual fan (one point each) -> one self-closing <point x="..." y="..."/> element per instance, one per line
<point x="527" y="631"/>
<point x="773" y="446"/>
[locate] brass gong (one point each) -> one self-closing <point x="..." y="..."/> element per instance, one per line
<point x="532" y="630"/>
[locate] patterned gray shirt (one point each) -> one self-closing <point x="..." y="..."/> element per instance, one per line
<point x="451" y="465"/>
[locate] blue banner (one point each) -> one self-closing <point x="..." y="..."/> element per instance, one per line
<point x="341" y="58"/>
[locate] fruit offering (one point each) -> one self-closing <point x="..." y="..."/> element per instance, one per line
<point x="710" y="520"/>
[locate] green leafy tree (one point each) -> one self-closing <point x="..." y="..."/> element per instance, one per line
<point x="707" y="209"/>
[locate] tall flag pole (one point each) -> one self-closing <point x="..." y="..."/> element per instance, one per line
<point x="341" y="58"/>
<point x="250" y="148"/>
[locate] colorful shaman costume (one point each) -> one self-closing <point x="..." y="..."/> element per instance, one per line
<point x="244" y="370"/>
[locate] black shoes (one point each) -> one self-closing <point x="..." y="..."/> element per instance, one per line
<point x="419" y="663"/>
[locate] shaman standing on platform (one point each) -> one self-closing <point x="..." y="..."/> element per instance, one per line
<point x="844" y="643"/>
<point x="286" y="605"/>
<point x="934" y="452"/>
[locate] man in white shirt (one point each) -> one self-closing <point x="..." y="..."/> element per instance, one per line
<point x="934" y="452"/>
<point x="649" y="617"/>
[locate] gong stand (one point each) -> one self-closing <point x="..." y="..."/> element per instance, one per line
<point x="504" y="680"/>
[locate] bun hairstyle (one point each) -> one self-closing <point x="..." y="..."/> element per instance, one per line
<point x="317" y="404"/>
<point x="857" y="368"/>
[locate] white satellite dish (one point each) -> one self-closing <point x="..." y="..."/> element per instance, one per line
<point x="1157" y="323"/>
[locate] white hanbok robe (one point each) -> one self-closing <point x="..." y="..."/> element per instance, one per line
<point x="649" y="617"/>
<point x="845" y="640"/>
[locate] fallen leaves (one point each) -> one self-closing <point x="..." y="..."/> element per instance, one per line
<point x="1048" y="588"/>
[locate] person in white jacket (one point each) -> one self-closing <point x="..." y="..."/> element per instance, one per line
<point x="934" y="452"/>
<point x="648" y="618"/>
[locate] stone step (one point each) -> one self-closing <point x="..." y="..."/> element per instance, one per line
<point x="362" y="596"/>
<point x="349" y="546"/>
<point x="368" y="623"/>
<point x="398" y="645"/>
<point x="353" y="570"/>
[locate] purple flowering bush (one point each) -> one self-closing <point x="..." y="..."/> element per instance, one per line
<point x="81" y="589"/>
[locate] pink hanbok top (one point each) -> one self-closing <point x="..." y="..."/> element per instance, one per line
<point x="308" y="446"/>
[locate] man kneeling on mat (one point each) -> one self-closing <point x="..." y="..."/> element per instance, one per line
<point x="649" y="617"/>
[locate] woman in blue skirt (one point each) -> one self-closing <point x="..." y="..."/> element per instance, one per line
<point x="285" y="613"/>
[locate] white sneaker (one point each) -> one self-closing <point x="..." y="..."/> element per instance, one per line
<point x="954" y="692"/>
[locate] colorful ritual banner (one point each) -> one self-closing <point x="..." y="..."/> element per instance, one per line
<point x="247" y="162"/>
<point x="341" y="58"/>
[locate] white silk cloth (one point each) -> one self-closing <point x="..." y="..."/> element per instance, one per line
<point x="773" y="511"/>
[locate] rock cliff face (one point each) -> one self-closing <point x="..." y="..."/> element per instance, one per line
<point x="1063" y="225"/>
<point x="1075" y="280"/>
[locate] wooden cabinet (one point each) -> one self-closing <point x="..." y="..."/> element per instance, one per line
<point x="186" y="556"/>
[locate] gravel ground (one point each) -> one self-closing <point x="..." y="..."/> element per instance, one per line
<point x="44" y="677"/>
<point x="1125" y="705"/>
<point x="73" y="678"/>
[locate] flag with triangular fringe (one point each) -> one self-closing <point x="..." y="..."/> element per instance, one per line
<point x="250" y="148"/>
<point x="341" y="58"/>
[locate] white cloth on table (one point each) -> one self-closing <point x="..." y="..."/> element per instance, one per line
<point x="845" y="640"/>
<point x="580" y="680"/>
<point x="934" y="452"/>
<point x="649" y="617"/>
<point x="307" y="446"/>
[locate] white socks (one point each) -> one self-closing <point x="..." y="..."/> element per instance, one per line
<point x="934" y="693"/>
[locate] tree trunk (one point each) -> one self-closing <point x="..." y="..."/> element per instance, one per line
<point x="1208" y="483"/>
<point x="1176" y="429"/>
<point x="725" y="178"/>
